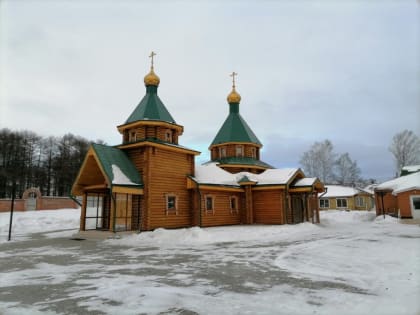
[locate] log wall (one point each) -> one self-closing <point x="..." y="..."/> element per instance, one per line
<point x="268" y="206"/>
<point x="221" y="214"/>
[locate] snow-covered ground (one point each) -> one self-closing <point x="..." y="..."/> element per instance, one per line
<point x="351" y="263"/>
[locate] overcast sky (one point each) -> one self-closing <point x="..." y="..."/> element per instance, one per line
<point x="347" y="71"/>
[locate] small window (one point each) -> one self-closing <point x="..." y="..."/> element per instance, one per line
<point x="233" y="204"/>
<point x="324" y="203"/>
<point x="254" y="153"/>
<point x="415" y="202"/>
<point x="360" y="202"/>
<point x="239" y="151"/>
<point x="341" y="203"/>
<point x="222" y="152"/>
<point x="133" y="136"/>
<point x="168" y="135"/>
<point x="209" y="203"/>
<point x="171" y="203"/>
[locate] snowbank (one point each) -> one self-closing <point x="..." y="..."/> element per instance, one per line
<point x="25" y="223"/>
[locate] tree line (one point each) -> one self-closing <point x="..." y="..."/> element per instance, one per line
<point x="48" y="163"/>
<point x="323" y="162"/>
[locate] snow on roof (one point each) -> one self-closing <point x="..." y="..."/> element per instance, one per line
<point x="411" y="168"/>
<point x="340" y="191"/>
<point x="210" y="173"/>
<point x="275" y="176"/>
<point x="401" y="184"/>
<point x="305" y="182"/>
<point x="119" y="178"/>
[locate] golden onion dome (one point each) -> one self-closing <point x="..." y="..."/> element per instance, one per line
<point x="233" y="96"/>
<point x="151" y="78"/>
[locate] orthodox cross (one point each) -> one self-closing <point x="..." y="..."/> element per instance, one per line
<point x="152" y="54"/>
<point x="233" y="78"/>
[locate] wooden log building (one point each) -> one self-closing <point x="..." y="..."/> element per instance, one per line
<point x="150" y="181"/>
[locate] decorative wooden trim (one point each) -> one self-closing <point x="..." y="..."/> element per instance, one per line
<point x="220" y="188"/>
<point x="243" y="166"/>
<point x="271" y="187"/>
<point x="153" y="123"/>
<point x="168" y="147"/>
<point x="234" y="143"/>
<point x="127" y="190"/>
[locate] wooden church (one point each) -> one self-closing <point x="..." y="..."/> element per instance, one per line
<point x="150" y="181"/>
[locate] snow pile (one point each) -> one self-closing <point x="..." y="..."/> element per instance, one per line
<point x="332" y="217"/>
<point x="212" y="235"/>
<point x="28" y="222"/>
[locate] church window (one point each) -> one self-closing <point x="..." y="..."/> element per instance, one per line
<point x="168" y="135"/>
<point x="253" y="153"/>
<point x="171" y="203"/>
<point x="222" y="152"/>
<point x="132" y="136"/>
<point x="233" y="204"/>
<point x="209" y="203"/>
<point x="239" y="151"/>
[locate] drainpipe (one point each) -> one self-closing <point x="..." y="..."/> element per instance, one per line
<point x="114" y="210"/>
<point x="197" y="187"/>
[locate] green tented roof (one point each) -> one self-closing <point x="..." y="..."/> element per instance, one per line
<point x="109" y="156"/>
<point x="150" y="108"/>
<point x="242" y="161"/>
<point x="235" y="129"/>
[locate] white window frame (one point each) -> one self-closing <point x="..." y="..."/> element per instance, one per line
<point x="341" y="199"/>
<point x="360" y="201"/>
<point x="412" y="202"/>
<point x="325" y="200"/>
<point x="222" y="152"/>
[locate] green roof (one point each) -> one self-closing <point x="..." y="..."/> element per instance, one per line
<point x="242" y="161"/>
<point x="109" y="156"/>
<point x="150" y="108"/>
<point x="235" y="129"/>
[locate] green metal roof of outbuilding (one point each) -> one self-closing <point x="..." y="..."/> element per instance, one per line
<point x="109" y="156"/>
<point x="235" y="129"/>
<point x="150" y="108"/>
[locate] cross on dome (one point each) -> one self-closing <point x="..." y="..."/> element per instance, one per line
<point x="152" y="54"/>
<point x="151" y="78"/>
<point x="233" y="74"/>
<point x="233" y="96"/>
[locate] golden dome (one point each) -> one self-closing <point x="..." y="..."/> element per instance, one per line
<point x="151" y="78"/>
<point x="233" y="96"/>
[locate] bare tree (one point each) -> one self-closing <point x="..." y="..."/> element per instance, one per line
<point x="346" y="171"/>
<point x="319" y="161"/>
<point x="405" y="147"/>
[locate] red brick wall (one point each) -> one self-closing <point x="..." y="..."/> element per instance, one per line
<point x="44" y="203"/>
<point x="5" y="205"/>
<point x="51" y="203"/>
